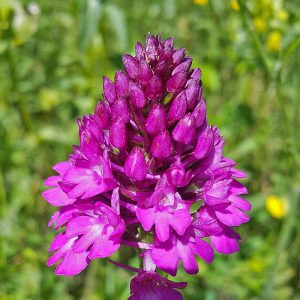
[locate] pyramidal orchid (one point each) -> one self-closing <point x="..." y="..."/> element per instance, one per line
<point x="147" y="156"/>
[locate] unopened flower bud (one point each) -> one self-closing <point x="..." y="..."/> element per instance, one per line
<point x="204" y="144"/>
<point x="117" y="134"/>
<point x="139" y="51"/>
<point x="156" y="120"/>
<point x="185" y="130"/>
<point x="102" y="115"/>
<point x="137" y="96"/>
<point x="193" y="93"/>
<point x="145" y="73"/>
<point x="131" y="66"/>
<point x="183" y="67"/>
<point x="196" y="74"/>
<point x="119" y="110"/>
<point x="178" y="107"/>
<point x="178" y="176"/>
<point x="162" y="146"/>
<point x="154" y="88"/>
<point x="109" y="90"/>
<point x="135" y="165"/>
<point x="176" y="82"/>
<point x="121" y="83"/>
<point x="178" y="55"/>
<point x="199" y="113"/>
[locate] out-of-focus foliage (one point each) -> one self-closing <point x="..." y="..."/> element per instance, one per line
<point x="52" y="56"/>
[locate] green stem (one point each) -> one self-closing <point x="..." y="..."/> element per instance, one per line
<point x="3" y="195"/>
<point x="293" y="46"/>
<point x="290" y="126"/>
<point x="284" y="240"/>
<point x="255" y="38"/>
<point x="11" y="60"/>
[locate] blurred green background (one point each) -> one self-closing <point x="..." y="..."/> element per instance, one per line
<point x="53" y="55"/>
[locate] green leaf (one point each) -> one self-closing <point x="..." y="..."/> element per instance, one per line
<point x="294" y="44"/>
<point x="89" y="19"/>
<point x="114" y="28"/>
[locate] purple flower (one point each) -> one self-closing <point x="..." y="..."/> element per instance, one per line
<point x="55" y="196"/>
<point x="165" y="209"/>
<point x="91" y="231"/>
<point x="146" y="157"/>
<point x="150" y="285"/>
<point x="166" y="255"/>
<point x="88" y="178"/>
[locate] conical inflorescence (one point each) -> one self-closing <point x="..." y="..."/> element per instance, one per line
<point x="148" y="173"/>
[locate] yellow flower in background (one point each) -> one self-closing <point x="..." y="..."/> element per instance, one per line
<point x="274" y="41"/>
<point x="259" y="24"/>
<point x="201" y="2"/>
<point x="276" y="206"/>
<point x="256" y="264"/>
<point x="282" y="15"/>
<point x="234" y="5"/>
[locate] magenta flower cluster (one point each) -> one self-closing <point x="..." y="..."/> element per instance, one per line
<point x="148" y="173"/>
